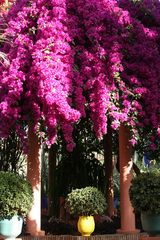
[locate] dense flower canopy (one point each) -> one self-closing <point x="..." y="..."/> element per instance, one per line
<point x="71" y="58"/>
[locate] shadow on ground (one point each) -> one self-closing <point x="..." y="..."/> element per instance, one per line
<point x="55" y="226"/>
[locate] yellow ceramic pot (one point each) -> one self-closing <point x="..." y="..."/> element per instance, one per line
<point x="86" y="225"/>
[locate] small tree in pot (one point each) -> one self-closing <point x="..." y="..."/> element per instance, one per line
<point x="145" y="197"/>
<point x="16" y="199"/>
<point x="86" y="202"/>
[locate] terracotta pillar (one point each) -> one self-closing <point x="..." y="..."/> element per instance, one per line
<point x="126" y="172"/>
<point x="34" y="176"/>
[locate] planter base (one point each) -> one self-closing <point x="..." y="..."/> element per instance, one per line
<point x="86" y="225"/>
<point x="1" y="238"/>
<point x="151" y="224"/>
<point x="11" y="228"/>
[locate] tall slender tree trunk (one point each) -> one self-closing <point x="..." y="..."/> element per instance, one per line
<point x="51" y="178"/>
<point x="108" y="161"/>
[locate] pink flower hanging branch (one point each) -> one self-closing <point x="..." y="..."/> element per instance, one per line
<point x="38" y="83"/>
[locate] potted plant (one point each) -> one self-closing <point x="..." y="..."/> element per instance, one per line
<point x="85" y="202"/>
<point x="16" y="199"/>
<point x="145" y="198"/>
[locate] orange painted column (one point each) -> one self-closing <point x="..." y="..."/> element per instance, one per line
<point x="34" y="176"/>
<point x="126" y="173"/>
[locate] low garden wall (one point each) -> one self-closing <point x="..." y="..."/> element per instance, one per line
<point x="94" y="237"/>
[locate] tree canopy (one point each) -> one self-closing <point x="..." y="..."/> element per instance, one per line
<point x="69" y="59"/>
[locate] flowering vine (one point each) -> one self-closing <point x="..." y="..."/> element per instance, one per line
<point x="38" y="83"/>
<point x="73" y="58"/>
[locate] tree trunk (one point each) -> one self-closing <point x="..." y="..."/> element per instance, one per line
<point x="51" y="178"/>
<point x="108" y="162"/>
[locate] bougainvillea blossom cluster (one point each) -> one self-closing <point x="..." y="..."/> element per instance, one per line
<point x="38" y="82"/>
<point x="119" y="62"/>
<point x="80" y="58"/>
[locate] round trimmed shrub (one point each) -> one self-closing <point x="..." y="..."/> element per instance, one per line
<point x="16" y="196"/>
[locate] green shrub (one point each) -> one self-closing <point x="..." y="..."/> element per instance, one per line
<point x="85" y="201"/>
<point x="16" y="196"/>
<point x="145" y="192"/>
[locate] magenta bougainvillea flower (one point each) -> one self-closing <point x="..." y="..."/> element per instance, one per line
<point x="68" y="58"/>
